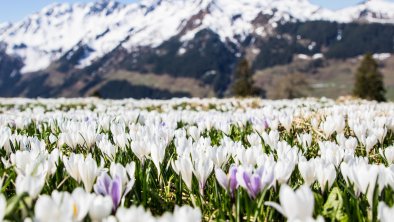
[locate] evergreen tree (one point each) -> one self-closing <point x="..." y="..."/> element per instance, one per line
<point x="243" y="84"/>
<point x="369" y="81"/>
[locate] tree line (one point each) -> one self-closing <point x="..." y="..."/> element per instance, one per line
<point x="369" y="83"/>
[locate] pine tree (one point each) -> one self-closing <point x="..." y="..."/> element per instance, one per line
<point x="243" y="84"/>
<point x="369" y="81"/>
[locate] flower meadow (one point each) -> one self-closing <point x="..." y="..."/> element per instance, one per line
<point x="196" y="160"/>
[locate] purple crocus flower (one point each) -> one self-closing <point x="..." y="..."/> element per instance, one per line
<point x="107" y="186"/>
<point x="229" y="181"/>
<point x="255" y="180"/>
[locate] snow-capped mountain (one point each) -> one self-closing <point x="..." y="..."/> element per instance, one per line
<point x="101" y="26"/>
<point x="378" y="11"/>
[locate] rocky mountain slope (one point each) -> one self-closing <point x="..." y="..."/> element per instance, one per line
<point x="100" y="47"/>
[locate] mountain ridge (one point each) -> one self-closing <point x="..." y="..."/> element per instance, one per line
<point x="78" y="49"/>
<point x="56" y="29"/>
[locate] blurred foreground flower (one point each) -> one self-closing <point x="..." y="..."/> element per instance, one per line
<point x="385" y="214"/>
<point x="295" y="205"/>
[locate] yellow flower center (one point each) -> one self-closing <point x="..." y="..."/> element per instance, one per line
<point x="75" y="210"/>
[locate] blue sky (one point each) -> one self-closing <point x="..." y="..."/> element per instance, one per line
<point x="13" y="10"/>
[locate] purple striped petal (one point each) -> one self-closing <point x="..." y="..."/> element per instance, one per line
<point x="116" y="193"/>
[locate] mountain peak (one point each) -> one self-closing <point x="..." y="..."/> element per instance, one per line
<point x="379" y="11"/>
<point x="103" y="25"/>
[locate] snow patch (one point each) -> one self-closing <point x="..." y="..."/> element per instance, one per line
<point x="303" y="57"/>
<point x="104" y="25"/>
<point x="381" y="56"/>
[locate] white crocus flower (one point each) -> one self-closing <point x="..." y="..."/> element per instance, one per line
<point x="72" y="139"/>
<point x="385" y="177"/>
<point x="351" y="144"/>
<point x="140" y="149"/>
<point x="3" y="205"/>
<point x="305" y="140"/>
<point x="81" y="203"/>
<point x="89" y="171"/>
<point x="130" y="169"/>
<point x="202" y="169"/>
<point x="100" y="208"/>
<point x="183" y="166"/>
<point x="89" y="134"/>
<point x="29" y="184"/>
<point x="121" y="140"/>
<point x="385" y="213"/>
<point x="380" y="133"/>
<point x="158" y="151"/>
<point x="134" y="214"/>
<point x="287" y="153"/>
<point x="71" y="164"/>
<point x="254" y="139"/>
<point x="32" y="162"/>
<point x="271" y="139"/>
<point x="363" y="176"/>
<point x="286" y="121"/>
<point x="308" y="171"/>
<point x="325" y="174"/>
<point x="295" y="205"/>
<point x="181" y="214"/>
<point x="117" y="170"/>
<point x="370" y="142"/>
<point x="57" y="207"/>
<point x="107" y="148"/>
<point x="388" y="153"/>
<point x="283" y="170"/>
<point x="328" y="127"/>
<point x="220" y="156"/>
<point x="5" y="134"/>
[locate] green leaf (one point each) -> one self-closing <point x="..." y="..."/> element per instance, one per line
<point x="333" y="208"/>
<point x="13" y="204"/>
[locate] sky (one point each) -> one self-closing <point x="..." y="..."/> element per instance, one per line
<point x="14" y="10"/>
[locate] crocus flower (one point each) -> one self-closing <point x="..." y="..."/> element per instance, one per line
<point x="88" y="171"/>
<point x="385" y="213"/>
<point x="100" y="208"/>
<point x="283" y="170"/>
<point x="202" y="169"/>
<point x="30" y="184"/>
<point x="158" y="151"/>
<point x="255" y="180"/>
<point x="108" y="186"/>
<point x="134" y="214"/>
<point x="388" y="153"/>
<point x="325" y="174"/>
<point x="305" y="140"/>
<point x="140" y="149"/>
<point x="229" y="181"/>
<point x="61" y="206"/>
<point x="181" y="214"/>
<point x="184" y="167"/>
<point x="295" y="205"/>
<point x="81" y="203"/>
<point x="3" y="204"/>
<point x="271" y="139"/>
<point x="363" y="176"/>
<point x="307" y="171"/>
<point x="71" y="165"/>
<point x="57" y="207"/>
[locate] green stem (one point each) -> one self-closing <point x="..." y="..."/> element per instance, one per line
<point x="259" y="205"/>
<point x="238" y="207"/>
<point x="180" y="191"/>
